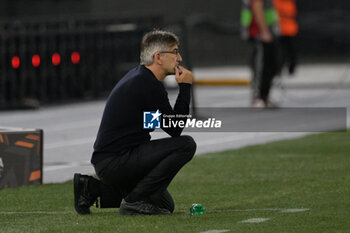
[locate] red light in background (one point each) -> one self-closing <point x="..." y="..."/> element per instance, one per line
<point x="15" y="62"/>
<point x="75" y="57"/>
<point x="56" y="59"/>
<point x="36" y="60"/>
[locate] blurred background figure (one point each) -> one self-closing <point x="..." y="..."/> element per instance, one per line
<point x="287" y="12"/>
<point x="260" y="27"/>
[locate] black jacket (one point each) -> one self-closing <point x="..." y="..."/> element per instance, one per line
<point x="121" y="127"/>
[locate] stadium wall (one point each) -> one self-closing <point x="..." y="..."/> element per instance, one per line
<point x="212" y="24"/>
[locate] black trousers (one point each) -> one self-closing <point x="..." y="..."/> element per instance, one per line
<point x="144" y="172"/>
<point x="265" y="64"/>
<point x="288" y="53"/>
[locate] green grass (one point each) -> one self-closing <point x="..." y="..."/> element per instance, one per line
<point x="311" y="172"/>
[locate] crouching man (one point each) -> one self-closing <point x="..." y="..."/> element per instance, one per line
<point x="135" y="171"/>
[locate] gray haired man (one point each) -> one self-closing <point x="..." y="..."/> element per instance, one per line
<point x="135" y="171"/>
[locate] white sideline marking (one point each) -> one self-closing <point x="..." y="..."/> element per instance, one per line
<point x="80" y="141"/>
<point x="294" y="210"/>
<point x="244" y="210"/>
<point x="35" y="212"/>
<point x="72" y="125"/>
<point x="251" y="220"/>
<point x="48" y="168"/>
<point x="215" y="231"/>
<point x="254" y="210"/>
<point x="255" y="220"/>
<point x="233" y="138"/>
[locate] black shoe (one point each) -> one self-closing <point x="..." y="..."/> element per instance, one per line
<point x="141" y="208"/>
<point x="82" y="198"/>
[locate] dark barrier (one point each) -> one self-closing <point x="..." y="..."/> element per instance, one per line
<point x="73" y="59"/>
<point x="21" y="157"/>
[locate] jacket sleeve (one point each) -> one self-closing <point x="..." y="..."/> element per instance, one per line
<point x="181" y="106"/>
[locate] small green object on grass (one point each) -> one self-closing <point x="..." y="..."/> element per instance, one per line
<point x="197" y="209"/>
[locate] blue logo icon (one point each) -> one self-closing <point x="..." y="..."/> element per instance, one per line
<point x="151" y="120"/>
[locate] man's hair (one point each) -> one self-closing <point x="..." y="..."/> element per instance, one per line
<point x="154" y="41"/>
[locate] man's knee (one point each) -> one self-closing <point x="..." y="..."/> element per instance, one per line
<point x="188" y="144"/>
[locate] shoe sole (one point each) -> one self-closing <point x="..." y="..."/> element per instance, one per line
<point x="132" y="213"/>
<point x="76" y="193"/>
<point x="128" y="211"/>
<point x="123" y="211"/>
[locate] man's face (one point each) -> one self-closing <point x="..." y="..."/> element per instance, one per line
<point x="171" y="59"/>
